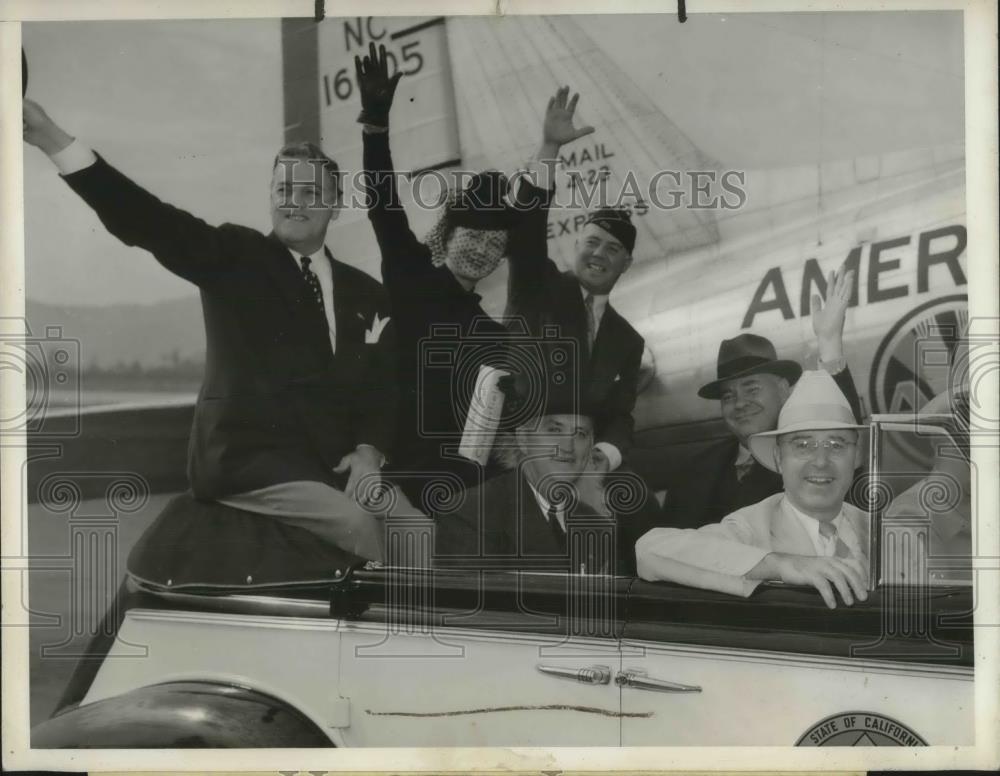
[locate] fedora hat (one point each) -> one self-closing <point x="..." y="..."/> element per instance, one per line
<point x="534" y="387"/>
<point x="815" y="404"/>
<point x="747" y="355"/>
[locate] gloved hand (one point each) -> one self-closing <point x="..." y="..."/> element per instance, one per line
<point x="375" y="86"/>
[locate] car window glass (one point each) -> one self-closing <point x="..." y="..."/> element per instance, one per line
<point x="924" y="498"/>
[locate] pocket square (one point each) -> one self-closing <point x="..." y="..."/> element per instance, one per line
<point x="375" y="332"/>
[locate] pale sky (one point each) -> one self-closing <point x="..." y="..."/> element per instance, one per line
<point x="761" y="91"/>
<point x="193" y="111"/>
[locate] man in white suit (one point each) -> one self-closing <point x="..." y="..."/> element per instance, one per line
<point x="805" y="535"/>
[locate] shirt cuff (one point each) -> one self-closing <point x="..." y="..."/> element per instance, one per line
<point x="612" y="453"/>
<point x="73" y="158"/>
<point x="374" y="129"/>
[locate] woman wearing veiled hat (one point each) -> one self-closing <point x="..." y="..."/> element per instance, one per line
<point x="431" y="285"/>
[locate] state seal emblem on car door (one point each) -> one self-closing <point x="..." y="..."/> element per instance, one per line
<point x="860" y="728"/>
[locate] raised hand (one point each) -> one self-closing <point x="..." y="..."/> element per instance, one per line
<point x="828" y="318"/>
<point x="376" y="86"/>
<point x="41" y="131"/>
<point x="557" y="128"/>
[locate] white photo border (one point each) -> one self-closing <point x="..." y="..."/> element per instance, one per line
<point x="981" y="165"/>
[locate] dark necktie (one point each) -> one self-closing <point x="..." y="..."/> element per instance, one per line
<point x="557" y="530"/>
<point x="743" y="469"/>
<point x="313" y="282"/>
<point x="588" y="303"/>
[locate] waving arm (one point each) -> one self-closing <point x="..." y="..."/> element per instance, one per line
<point x="181" y="242"/>
<point x="399" y="247"/>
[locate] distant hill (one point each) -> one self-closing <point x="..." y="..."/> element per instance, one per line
<point x="153" y="335"/>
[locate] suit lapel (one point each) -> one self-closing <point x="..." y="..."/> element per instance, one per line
<point x="575" y="314"/>
<point x="347" y="310"/>
<point x="535" y="535"/>
<point x="855" y="532"/>
<point x="606" y="330"/>
<point x="604" y="360"/>
<point x="598" y="533"/>
<point x="787" y="533"/>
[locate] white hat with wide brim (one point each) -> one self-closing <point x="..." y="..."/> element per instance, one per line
<point x="815" y="404"/>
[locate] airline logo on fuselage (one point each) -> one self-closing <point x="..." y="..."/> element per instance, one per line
<point x="938" y="250"/>
<point x="919" y="356"/>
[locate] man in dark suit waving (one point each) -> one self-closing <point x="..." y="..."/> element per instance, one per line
<point x="296" y="408"/>
<point x="575" y="302"/>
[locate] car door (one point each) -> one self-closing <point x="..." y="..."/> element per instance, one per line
<point x="705" y="669"/>
<point x="482" y="659"/>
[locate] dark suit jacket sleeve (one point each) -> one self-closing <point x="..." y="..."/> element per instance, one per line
<point x="845" y="381"/>
<point x="181" y="242"/>
<point x="616" y="423"/>
<point x="694" y="491"/>
<point x="482" y="524"/>
<point x="530" y="270"/>
<point x="468" y="532"/>
<point x="401" y="251"/>
<point x="455" y="534"/>
<point x="640" y="518"/>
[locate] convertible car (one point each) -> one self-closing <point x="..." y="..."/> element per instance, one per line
<point x="380" y="655"/>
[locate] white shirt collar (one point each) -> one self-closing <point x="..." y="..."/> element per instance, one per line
<point x="600" y="302"/>
<point x="824" y="546"/>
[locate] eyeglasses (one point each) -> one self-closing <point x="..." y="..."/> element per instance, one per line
<point x="806" y="448"/>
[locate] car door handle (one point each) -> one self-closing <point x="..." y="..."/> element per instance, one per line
<point x="588" y="675"/>
<point x="637" y="679"/>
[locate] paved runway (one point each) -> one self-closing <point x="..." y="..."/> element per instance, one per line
<point x="70" y="591"/>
